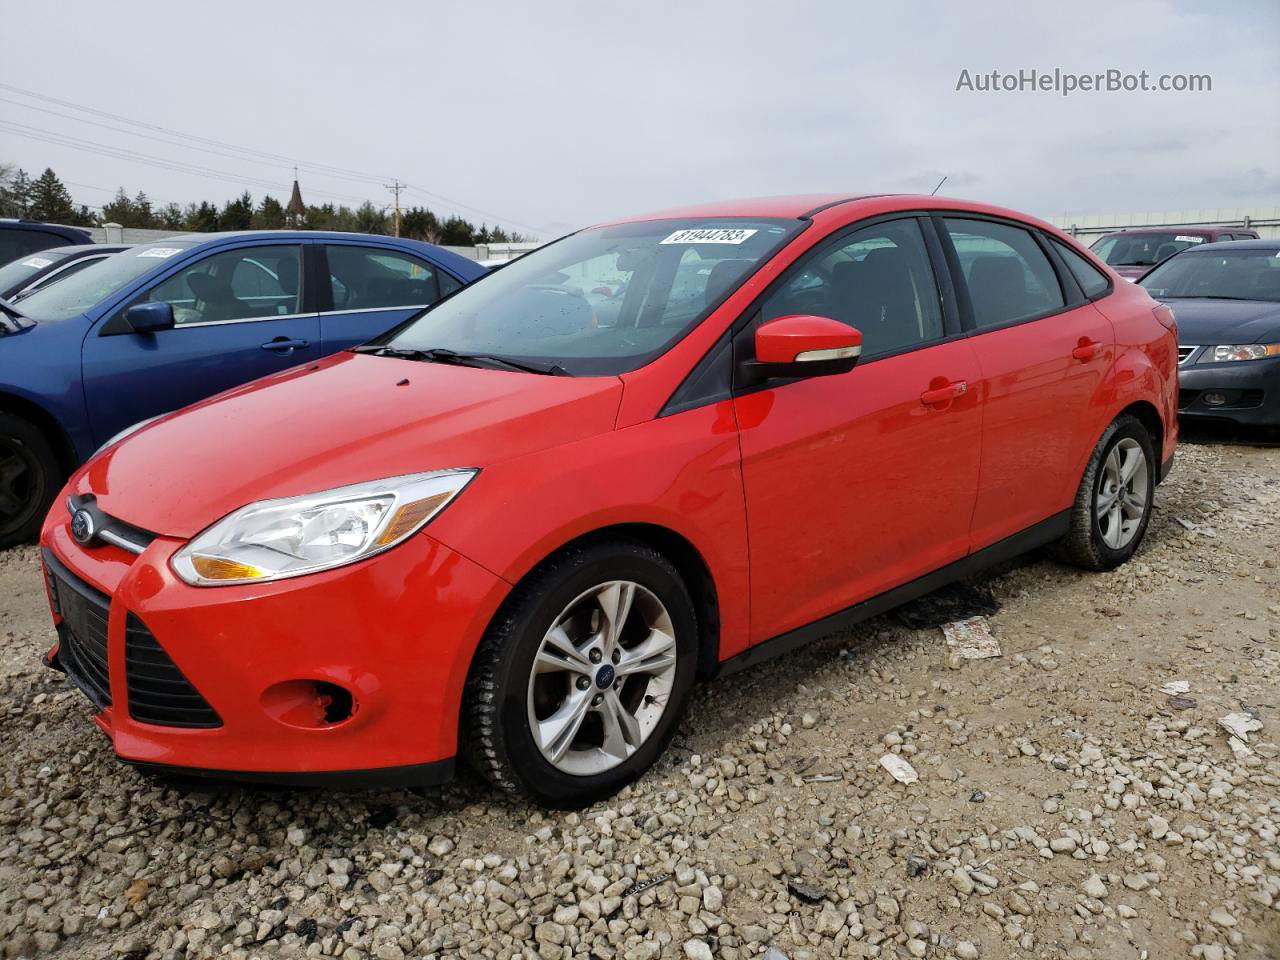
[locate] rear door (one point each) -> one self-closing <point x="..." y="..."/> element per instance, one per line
<point x="1043" y="349"/>
<point x="239" y="315"/>
<point x="371" y="289"/>
<point x="860" y="482"/>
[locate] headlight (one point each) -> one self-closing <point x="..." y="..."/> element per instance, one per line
<point x="1241" y="351"/>
<point x="275" y="539"/>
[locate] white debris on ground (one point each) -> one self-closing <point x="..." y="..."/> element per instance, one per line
<point x="969" y="639"/>
<point x="1061" y="811"/>
<point x="899" y="769"/>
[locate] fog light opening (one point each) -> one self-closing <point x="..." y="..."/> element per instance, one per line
<point x="1214" y="399"/>
<point x="309" y="704"/>
<point x="335" y="702"/>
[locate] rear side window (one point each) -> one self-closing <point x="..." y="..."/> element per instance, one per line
<point x="367" y="278"/>
<point x="1092" y="281"/>
<point x="1008" y="276"/>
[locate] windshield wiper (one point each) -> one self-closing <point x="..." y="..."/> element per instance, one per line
<point x="444" y="355"/>
<point x="1214" y="296"/>
<point x="10" y="309"/>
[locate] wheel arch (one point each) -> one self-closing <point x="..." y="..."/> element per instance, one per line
<point x="683" y="554"/>
<point x="48" y="424"/>
<point x="1145" y="412"/>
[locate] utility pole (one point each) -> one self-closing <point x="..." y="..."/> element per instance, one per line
<point x="395" y="187"/>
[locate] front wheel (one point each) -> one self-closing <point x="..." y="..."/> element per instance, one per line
<point x="29" y="480"/>
<point x="1113" y="504"/>
<point x="579" y="684"/>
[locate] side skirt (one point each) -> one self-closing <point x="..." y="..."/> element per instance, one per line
<point x="1044" y="532"/>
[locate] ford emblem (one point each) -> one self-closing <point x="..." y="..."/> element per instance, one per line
<point x="82" y="527"/>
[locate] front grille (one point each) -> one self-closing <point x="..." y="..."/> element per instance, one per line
<point x="159" y="693"/>
<point x="110" y="529"/>
<point x="1184" y="353"/>
<point x="82" y="634"/>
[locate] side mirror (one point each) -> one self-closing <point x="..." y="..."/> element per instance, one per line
<point x="149" y="317"/>
<point x="806" y="346"/>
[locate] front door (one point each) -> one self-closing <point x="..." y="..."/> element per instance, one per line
<point x="237" y="317"/>
<point x="860" y="482"/>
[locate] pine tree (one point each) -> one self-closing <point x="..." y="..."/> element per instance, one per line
<point x="237" y="214"/>
<point x="270" y="215"/>
<point x="142" y="211"/>
<point x="17" y="199"/>
<point x="170" y="217"/>
<point x="50" y="199"/>
<point x="202" y="219"/>
<point x="120" y="210"/>
<point x="369" y="219"/>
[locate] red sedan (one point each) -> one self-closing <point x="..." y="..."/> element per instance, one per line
<point x="519" y="526"/>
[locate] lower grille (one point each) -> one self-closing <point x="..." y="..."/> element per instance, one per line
<point x="159" y="693"/>
<point x="82" y="634"/>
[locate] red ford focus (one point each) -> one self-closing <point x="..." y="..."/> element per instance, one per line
<point x="518" y="527"/>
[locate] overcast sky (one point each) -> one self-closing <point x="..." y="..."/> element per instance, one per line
<point x="549" y="115"/>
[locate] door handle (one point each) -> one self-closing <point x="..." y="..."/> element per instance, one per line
<point x="285" y="345"/>
<point x="1085" y="350"/>
<point x="944" y="394"/>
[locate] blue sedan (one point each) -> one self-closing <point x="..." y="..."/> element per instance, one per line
<point x="165" y="324"/>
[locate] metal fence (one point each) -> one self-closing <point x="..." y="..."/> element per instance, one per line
<point x="1265" y="220"/>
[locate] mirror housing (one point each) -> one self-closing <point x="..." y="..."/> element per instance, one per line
<point x="801" y="345"/>
<point x="149" y="317"/>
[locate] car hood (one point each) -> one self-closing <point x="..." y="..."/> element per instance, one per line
<point x="348" y="419"/>
<point x="1226" y="321"/>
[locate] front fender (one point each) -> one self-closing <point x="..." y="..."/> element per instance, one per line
<point x="680" y="473"/>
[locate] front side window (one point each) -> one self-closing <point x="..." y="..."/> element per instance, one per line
<point x="251" y="283"/>
<point x="1008" y="275"/>
<point x="1092" y="281"/>
<point x="368" y="278"/>
<point x="877" y="279"/>
<point x="1249" y="274"/>
<point x="602" y="301"/>
<point x="90" y="286"/>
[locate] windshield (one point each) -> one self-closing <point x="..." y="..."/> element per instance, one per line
<point x="1143" y="249"/>
<point x="1229" y="274"/>
<point x="603" y="301"/>
<point x="12" y="274"/>
<point x="84" y="289"/>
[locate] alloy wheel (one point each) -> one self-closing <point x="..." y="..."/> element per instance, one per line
<point x="15" y="481"/>
<point x="1123" y="491"/>
<point x="602" y="678"/>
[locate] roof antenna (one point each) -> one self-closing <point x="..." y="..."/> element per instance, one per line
<point x="938" y="187"/>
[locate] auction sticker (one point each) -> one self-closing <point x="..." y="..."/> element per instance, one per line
<point x="37" y="262"/>
<point x="162" y="253"/>
<point x="710" y="235"/>
<point x="1187" y="239"/>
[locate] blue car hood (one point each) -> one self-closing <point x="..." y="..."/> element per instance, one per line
<point x="1226" y="321"/>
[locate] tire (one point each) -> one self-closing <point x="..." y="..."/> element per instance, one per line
<point x="1092" y="542"/>
<point x="508" y="710"/>
<point x="29" y="480"/>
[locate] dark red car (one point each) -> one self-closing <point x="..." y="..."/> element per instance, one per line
<point x="1131" y="253"/>
<point x="518" y="527"/>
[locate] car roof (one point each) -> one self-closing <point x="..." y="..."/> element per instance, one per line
<point x="784" y="208"/>
<point x="1267" y="245"/>
<point x="87" y="248"/>
<point x="1174" y="228"/>
<point x="283" y="235"/>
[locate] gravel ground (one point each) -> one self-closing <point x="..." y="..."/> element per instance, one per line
<point x="1066" y="807"/>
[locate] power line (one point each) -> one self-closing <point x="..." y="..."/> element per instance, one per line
<point x="121" y="153"/>
<point x="249" y="152"/>
<point x="289" y="161"/>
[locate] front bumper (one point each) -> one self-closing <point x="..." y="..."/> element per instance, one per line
<point x="396" y="633"/>
<point x="1250" y="389"/>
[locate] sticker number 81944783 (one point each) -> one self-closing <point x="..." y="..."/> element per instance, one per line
<point x="710" y="235"/>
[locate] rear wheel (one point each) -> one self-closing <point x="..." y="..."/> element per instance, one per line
<point x="29" y="478"/>
<point x="1113" y="504"/>
<point x="579" y="684"/>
